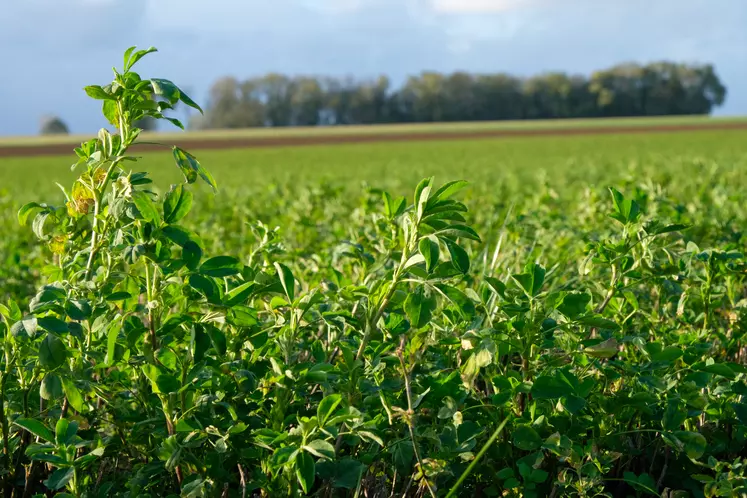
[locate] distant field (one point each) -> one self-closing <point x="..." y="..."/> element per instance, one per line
<point x="312" y="135"/>
<point x="565" y="160"/>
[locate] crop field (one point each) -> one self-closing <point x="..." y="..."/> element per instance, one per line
<point x="325" y="135"/>
<point x="543" y="316"/>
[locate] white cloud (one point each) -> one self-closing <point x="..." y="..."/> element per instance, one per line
<point x="481" y="6"/>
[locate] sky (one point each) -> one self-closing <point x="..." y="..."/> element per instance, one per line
<point x="51" y="49"/>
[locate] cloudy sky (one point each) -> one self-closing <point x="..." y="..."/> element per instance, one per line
<point x="50" y="49"/>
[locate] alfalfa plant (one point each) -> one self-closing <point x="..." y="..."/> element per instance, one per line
<point x="107" y="307"/>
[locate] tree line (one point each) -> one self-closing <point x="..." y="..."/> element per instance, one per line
<point x="656" y="89"/>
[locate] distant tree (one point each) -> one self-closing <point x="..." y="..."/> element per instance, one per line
<point x="147" y="124"/>
<point x="233" y="104"/>
<point x="53" y="125"/>
<point x="660" y="88"/>
<point x="307" y="101"/>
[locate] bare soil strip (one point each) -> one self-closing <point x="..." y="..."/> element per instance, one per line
<point x="333" y="139"/>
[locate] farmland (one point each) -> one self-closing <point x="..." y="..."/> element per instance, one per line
<point x="569" y="322"/>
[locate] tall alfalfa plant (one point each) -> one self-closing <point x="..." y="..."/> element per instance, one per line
<point x="118" y="249"/>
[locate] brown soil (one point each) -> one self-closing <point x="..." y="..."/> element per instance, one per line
<point x="331" y="139"/>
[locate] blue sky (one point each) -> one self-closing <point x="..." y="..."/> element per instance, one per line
<point x="50" y="49"/>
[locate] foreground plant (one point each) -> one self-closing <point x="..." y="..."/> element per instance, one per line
<point x="377" y="355"/>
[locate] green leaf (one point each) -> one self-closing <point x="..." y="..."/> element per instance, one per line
<point x="240" y="294"/>
<point x="191" y="168"/>
<point x="193" y="489"/>
<point x="422" y="192"/>
<point x="740" y="409"/>
<point x="168" y="383"/>
<point x="550" y="387"/>
<point x="695" y="443"/>
<point x="51" y="387"/>
<point x="98" y="93"/>
<point x="78" y="309"/>
<point x="504" y="474"/>
<point x="719" y="369"/>
<point x="131" y="60"/>
<point x="111" y="342"/>
<point x="27" y="210"/>
<point x="110" y="112"/>
<point x="191" y="254"/>
<point x="677" y="227"/>
<point x="176" y="204"/>
<point x="598" y="322"/>
<point x="459" y="257"/>
<point x="36" y="428"/>
<point x="26" y="327"/>
<point x="287" y="280"/>
<point x="52" y="324"/>
<point x="606" y="349"/>
<point x="462" y="231"/>
<point x="321" y="448"/>
<point x="344" y="473"/>
<point x="668" y="354"/>
<point x="674" y="415"/>
<point x="459" y="300"/>
<point x="448" y="189"/>
<point x="205" y="286"/>
<point x="166" y="89"/>
<point x="52" y="352"/>
<point x="429" y="249"/>
<point x="217" y="338"/>
<point x="74" y="397"/>
<point x="305" y="470"/>
<point x="531" y="280"/>
<point x="526" y="438"/>
<point x="574" y="304"/>
<point x="146" y="207"/>
<point x="626" y="210"/>
<point x="419" y="306"/>
<point x="59" y="478"/>
<point x="61" y="430"/>
<point x="200" y="342"/>
<point x="221" y="266"/>
<point x="538" y="475"/>
<point x="574" y="404"/>
<point x="327" y="407"/>
<point x="188" y="101"/>
<point x="403" y="455"/>
<point x="448" y="409"/>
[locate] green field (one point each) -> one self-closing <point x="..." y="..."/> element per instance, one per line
<point x="466" y="127"/>
<point x="586" y="344"/>
<point x="505" y="164"/>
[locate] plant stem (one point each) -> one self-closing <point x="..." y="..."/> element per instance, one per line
<point x="371" y="324"/>
<point x="94" y="234"/>
<point x="479" y="456"/>
<point x="411" y="414"/>
<point x="6" y="441"/>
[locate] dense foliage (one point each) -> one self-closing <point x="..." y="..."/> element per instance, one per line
<point x="583" y="343"/>
<point x="654" y="89"/>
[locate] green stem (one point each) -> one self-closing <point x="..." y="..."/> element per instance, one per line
<point x="483" y="450"/>
<point x="371" y="324"/>
<point x="411" y="415"/>
<point x="6" y="440"/>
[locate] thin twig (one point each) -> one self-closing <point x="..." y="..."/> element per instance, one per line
<point x="663" y="469"/>
<point x="242" y="481"/>
<point x="411" y="414"/>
